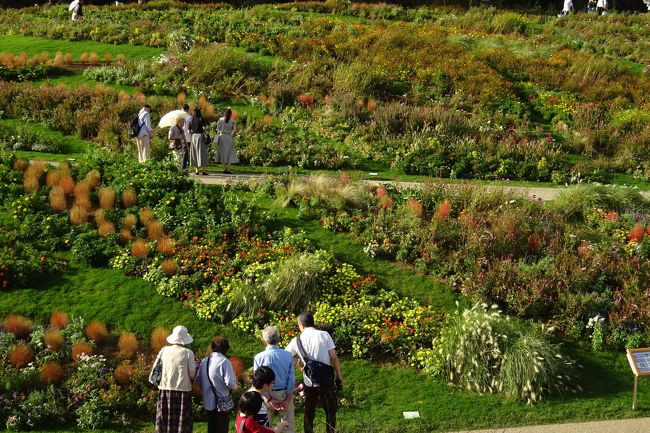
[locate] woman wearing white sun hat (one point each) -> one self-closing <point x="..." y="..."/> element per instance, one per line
<point x="174" y="405"/>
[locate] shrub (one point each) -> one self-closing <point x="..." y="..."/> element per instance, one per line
<point x="53" y="340"/>
<point x="140" y="248"/>
<point x="58" y="320"/>
<point x="93" y="178"/>
<point x="124" y="373"/>
<point x="21" y="355"/>
<point x="78" y="215"/>
<point x="66" y="183"/>
<point x="129" y="197"/>
<point x="155" y="230"/>
<point x="105" y="228"/>
<point x="169" y="267"/>
<point x="127" y="344"/>
<point x="146" y="215"/>
<point x="130" y="221"/>
<point x="57" y="198"/>
<point x="93" y="59"/>
<point x="52" y="373"/>
<point x="18" y="325"/>
<point x="96" y="331"/>
<point x="158" y="338"/>
<point x="106" y="198"/>
<point x="79" y="348"/>
<point x="166" y="246"/>
<point x="237" y="366"/>
<point x="68" y="58"/>
<point x="83" y="58"/>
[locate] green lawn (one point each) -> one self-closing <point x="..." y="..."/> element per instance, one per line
<point x="32" y="45"/>
<point x="72" y="146"/>
<point x="77" y="79"/>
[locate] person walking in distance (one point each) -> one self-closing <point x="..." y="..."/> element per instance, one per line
<point x="320" y="363"/>
<point x="143" y="139"/>
<point x="281" y="362"/>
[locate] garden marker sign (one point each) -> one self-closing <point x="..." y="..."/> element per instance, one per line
<point x="640" y="363"/>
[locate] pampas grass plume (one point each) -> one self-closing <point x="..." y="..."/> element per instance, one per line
<point x="93" y="178"/>
<point x="21" y="165"/>
<point x="129" y="221"/>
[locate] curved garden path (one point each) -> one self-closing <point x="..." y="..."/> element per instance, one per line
<point x="543" y="193"/>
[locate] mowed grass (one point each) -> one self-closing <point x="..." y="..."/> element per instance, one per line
<point x="375" y="394"/>
<point x="76" y="79"/>
<point x="72" y="147"/>
<point x="32" y="45"/>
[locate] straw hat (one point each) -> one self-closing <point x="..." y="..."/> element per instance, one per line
<point x="180" y="336"/>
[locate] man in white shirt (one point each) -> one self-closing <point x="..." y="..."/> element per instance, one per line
<point x="318" y="346"/>
<point x="188" y="137"/>
<point x="143" y="140"/>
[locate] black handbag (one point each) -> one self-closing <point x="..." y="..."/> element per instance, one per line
<point x="318" y="373"/>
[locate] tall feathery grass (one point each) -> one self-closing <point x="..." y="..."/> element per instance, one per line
<point x="483" y="351"/>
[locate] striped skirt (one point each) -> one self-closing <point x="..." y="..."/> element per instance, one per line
<point x="174" y="412"/>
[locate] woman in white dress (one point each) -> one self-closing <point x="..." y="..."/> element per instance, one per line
<point x="225" y="129"/>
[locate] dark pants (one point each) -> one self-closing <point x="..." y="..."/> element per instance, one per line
<point x="327" y="397"/>
<point x="218" y="421"/>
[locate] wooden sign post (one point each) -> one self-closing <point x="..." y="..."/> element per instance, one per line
<point x="639" y="360"/>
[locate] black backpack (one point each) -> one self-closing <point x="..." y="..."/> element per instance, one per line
<point x="135" y="127"/>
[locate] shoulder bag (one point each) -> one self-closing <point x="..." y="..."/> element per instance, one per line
<point x="156" y="372"/>
<point x="319" y="373"/>
<point x="222" y="404"/>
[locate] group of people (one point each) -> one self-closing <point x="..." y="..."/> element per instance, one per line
<point x="189" y="140"/>
<point x="599" y="6"/>
<point x="273" y="382"/>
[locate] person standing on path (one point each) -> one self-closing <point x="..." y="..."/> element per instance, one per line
<point x="177" y="142"/>
<point x="143" y="139"/>
<point x="199" y="147"/>
<point x="225" y="129"/>
<point x="281" y="362"/>
<point x="174" y="404"/>
<point x="315" y="345"/>
<point x="188" y="137"/>
<point x="217" y="380"/>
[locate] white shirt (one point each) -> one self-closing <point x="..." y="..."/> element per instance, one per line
<point x="602" y="4"/>
<point x="317" y="345"/>
<point x="145" y="121"/>
<point x="568" y="6"/>
<point x="186" y="128"/>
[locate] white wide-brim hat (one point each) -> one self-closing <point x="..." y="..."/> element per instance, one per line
<point x="180" y="336"/>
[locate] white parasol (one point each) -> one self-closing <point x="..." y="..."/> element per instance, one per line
<point x="169" y="119"/>
<point x="73" y="5"/>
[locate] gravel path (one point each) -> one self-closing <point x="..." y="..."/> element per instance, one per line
<point x="635" y="425"/>
<point x="536" y="192"/>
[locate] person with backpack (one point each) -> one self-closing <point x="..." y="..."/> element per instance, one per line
<point x="320" y="364"/>
<point x="144" y="134"/>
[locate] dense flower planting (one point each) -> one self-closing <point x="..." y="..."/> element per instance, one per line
<point x="496" y="247"/>
<point x="481" y="94"/>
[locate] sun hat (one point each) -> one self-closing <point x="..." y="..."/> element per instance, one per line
<point x="180" y="336"/>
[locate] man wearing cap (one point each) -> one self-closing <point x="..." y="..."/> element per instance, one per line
<point x="174" y="405"/>
<point x="281" y="362"/>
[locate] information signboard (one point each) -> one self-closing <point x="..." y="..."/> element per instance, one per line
<point x="639" y="360"/>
